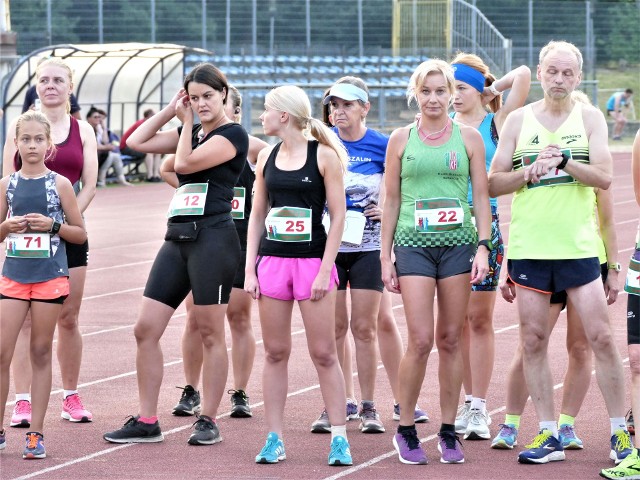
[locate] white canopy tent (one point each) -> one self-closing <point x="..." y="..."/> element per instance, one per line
<point x="123" y="79"/>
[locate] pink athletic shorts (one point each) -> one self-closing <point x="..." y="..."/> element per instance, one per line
<point x="49" y="290"/>
<point x="290" y="278"/>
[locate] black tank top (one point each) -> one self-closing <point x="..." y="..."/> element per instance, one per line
<point x="303" y="188"/>
<point x="246" y="180"/>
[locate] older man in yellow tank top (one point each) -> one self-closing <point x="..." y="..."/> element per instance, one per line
<point x="551" y="155"/>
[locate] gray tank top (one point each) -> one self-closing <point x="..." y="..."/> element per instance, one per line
<point x="36" y="195"/>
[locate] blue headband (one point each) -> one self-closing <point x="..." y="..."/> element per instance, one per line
<point x="464" y="73"/>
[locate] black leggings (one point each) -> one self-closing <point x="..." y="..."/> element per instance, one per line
<point x="633" y="319"/>
<point x="206" y="266"/>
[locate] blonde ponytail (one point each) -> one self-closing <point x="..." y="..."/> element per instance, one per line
<point x="327" y="137"/>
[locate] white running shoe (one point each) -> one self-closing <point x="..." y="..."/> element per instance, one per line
<point x="462" y="417"/>
<point x="478" y="425"/>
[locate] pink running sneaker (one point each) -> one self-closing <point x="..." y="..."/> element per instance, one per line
<point x="74" y="411"/>
<point x="21" y="417"/>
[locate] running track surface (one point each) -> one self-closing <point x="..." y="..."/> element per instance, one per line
<point x="126" y="227"/>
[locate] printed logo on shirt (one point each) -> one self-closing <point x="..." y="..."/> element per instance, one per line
<point x="522" y="276"/>
<point x="451" y="160"/>
<point x="306" y="180"/>
<point x="571" y="138"/>
<point x="410" y="158"/>
<point x="360" y="159"/>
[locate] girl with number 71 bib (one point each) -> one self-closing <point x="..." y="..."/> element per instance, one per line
<point x="39" y="212"/>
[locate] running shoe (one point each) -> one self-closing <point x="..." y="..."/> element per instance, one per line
<point x="568" y="438"/>
<point x="189" y="403"/>
<point x="544" y="448"/>
<point x="419" y="415"/>
<point x="340" y="453"/>
<point x="630" y="425"/>
<point x="74" y="411"/>
<point x="507" y="437"/>
<point x="240" y="404"/>
<point x="3" y="440"/>
<point x="206" y="432"/>
<point x="21" y="417"/>
<point x="462" y="417"/>
<point x="620" y="446"/>
<point x="407" y="444"/>
<point x="370" y="419"/>
<point x="322" y="424"/>
<point x="628" y="469"/>
<point x="352" y="410"/>
<point x="34" y="447"/>
<point x="273" y="450"/>
<point x="450" y="448"/>
<point x="477" y="425"/>
<point x="134" y="431"/>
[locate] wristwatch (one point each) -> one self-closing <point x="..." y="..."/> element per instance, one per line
<point x="614" y="266"/>
<point x="55" y="227"/>
<point x="486" y="243"/>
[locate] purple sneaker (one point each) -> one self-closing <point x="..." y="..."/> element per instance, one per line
<point x="407" y="444"/>
<point x="352" y="410"/>
<point x="450" y="447"/>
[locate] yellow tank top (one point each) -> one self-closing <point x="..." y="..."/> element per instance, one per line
<point x="554" y="219"/>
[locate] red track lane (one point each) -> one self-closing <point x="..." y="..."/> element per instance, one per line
<point x="126" y="227"/>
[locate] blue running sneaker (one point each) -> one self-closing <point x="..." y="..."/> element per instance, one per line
<point x="568" y="438"/>
<point x="544" y="448"/>
<point x="340" y="453"/>
<point x="273" y="450"/>
<point x="3" y="440"/>
<point x="34" y="447"/>
<point x="620" y="446"/>
<point x="352" y="410"/>
<point x="507" y="437"/>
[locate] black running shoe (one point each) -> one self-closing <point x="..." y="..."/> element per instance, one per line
<point x="205" y="433"/>
<point x="135" y="431"/>
<point x="189" y="403"/>
<point x="240" y="404"/>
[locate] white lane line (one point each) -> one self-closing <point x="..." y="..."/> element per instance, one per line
<point x="122" y="265"/>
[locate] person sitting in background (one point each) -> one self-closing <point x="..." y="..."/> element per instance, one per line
<point x="108" y="149"/>
<point x="614" y="110"/>
<point x="151" y="160"/>
<point x="31" y="98"/>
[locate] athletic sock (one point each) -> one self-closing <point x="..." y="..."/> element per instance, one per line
<point x="617" y="423"/>
<point x="338" y="431"/>
<point x="551" y="426"/>
<point x="406" y="428"/>
<point x="447" y="427"/>
<point x="479" y="404"/>
<point x="66" y="393"/>
<point x="512" y="420"/>
<point x="468" y="398"/>
<point x="148" y="420"/>
<point x="566" y="420"/>
<point x="23" y="396"/>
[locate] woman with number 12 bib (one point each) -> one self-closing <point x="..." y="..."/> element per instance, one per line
<point x="201" y="251"/>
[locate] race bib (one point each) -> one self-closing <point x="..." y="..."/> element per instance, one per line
<point x="289" y="224"/>
<point x="188" y="200"/>
<point x="354" y="223"/>
<point x="555" y="176"/>
<point x="238" y="202"/>
<point x="28" y="245"/>
<point x="435" y="215"/>
<point x="632" y="284"/>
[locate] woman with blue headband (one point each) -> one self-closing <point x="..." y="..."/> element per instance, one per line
<point x="478" y="103"/>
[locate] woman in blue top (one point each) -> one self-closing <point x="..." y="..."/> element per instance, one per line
<point x="478" y="103"/>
